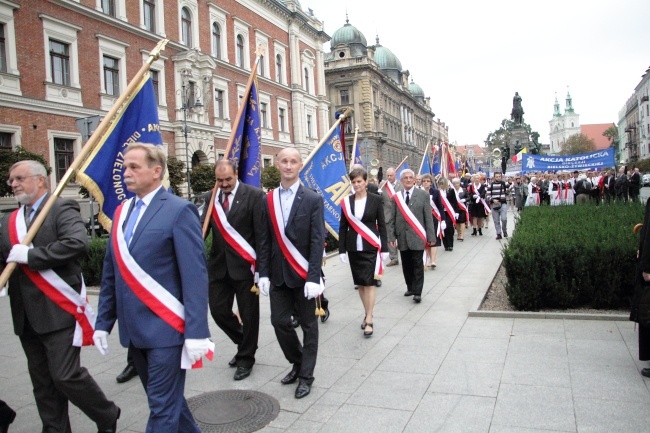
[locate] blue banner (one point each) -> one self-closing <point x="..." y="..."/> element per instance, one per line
<point x="425" y="166"/>
<point x="404" y="166"/>
<point x="246" y="147"/>
<point x="585" y="161"/>
<point x="435" y="168"/>
<point x="102" y="174"/>
<point x="325" y="172"/>
<point x="357" y="155"/>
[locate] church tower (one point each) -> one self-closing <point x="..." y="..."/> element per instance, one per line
<point x="563" y="126"/>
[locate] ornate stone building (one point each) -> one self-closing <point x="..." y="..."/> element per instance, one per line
<point x="563" y="126"/>
<point x="394" y="116"/>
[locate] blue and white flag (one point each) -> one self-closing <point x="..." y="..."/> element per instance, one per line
<point x="325" y="172"/>
<point x="102" y="174"/>
<point x="425" y="165"/>
<point x="247" y="145"/>
<point x="584" y="161"/>
<point x="435" y="168"/>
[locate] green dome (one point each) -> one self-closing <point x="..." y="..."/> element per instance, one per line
<point x="416" y="90"/>
<point x="385" y="58"/>
<point x="348" y="34"/>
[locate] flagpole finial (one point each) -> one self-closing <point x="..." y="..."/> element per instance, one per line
<point x="261" y="50"/>
<point x="155" y="53"/>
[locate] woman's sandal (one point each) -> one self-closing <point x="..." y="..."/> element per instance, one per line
<point x="366" y="333"/>
<point x="363" y="325"/>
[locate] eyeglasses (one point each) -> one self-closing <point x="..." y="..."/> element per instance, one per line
<point x="20" y="179"/>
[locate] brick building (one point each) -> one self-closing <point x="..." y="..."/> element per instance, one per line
<point x="61" y="60"/>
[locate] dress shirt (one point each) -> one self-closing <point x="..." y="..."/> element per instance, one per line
<point x="146" y="200"/>
<point x="231" y="197"/>
<point x="286" y="200"/>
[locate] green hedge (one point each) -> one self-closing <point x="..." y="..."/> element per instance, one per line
<point x="573" y="256"/>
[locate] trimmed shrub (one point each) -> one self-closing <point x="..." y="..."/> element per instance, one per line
<point x="92" y="264"/>
<point x="573" y="256"/>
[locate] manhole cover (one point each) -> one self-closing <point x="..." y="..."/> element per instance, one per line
<point x="233" y="411"/>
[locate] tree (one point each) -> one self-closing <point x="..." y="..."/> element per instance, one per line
<point x="9" y="158"/>
<point x="612" y="134"/>
<point x="202" y="178"/>
<point x="176" y="171"/>
<point x="577" y="143"/>
<point x="270" y="177"/>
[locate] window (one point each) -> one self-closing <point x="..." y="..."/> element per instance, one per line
<point x="63" y="156"/>
<point x="306" y="80"/>
<point x="191" y="95"/>
<point x="5" y="140"/>
<point x="240" y="51"/>
<point x="111" y="76"/>
<point x="60" y="62"/>
<point x="261" y="66"/>
<point x="278" y="68"/>
<point x="263" y="110"/>
<point x="186" y="27"/>
<point x="108" y="7"/>
<point x="219" y="104"/>
<point x="3" y="51"/>
<point x="281" y="117"/>
<point x="149" y="12"/>
<point x="216" y="40"/>
<point x="309" y="125"/>
<point x="155" y="77"/>
<point x="267" y="162"/>
<point x="345" y="97"/>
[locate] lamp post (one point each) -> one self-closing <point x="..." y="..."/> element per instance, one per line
<point x="187" y="92"/>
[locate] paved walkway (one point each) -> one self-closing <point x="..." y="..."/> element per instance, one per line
<point x="428" y="367"/>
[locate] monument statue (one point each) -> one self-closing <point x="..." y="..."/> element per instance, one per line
<point x="517" y="114"/>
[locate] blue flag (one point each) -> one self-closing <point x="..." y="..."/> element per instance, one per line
<point x="401" y="169"/>
<point x="425" y="165"/>
<point x="357" y="155"/>
<point x="325" y="172"/>
<point x="435" y="168"/>
<point x="246" y="147"/>
<point x="102" y="174"/>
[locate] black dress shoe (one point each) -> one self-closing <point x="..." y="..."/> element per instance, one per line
<point x="645" y="372"/>
<point x="8" y="415"/>
<point x="291" y="377"/>
<point x="233" y="361"/>
<point x="378" y="283"/>
<point x="417" y="299"/>
<point x="127" y="374"/>
<point x="324" y="318"/>
<point x="113" y="428"/>
<point x="408" y="293"/>
<point x="242" y="373"/>
<point x="303" y="389"/>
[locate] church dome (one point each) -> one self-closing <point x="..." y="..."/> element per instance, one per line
<point x="385" y="58"/>
<point x="348" y="34"/>
<point x="416" y="90"/>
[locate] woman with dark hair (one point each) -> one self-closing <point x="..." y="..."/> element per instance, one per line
<point x="476" y="195"/>
<point x="449" y="211"/>
<point x="362" y="242"/>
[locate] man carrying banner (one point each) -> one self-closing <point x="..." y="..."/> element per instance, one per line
<point x="411" y="229"/>
<point x="289" y="265"/>
<point x="390" y="188"/>
<point x="237" y="231"/>
<point x="48" y="302"/>
<point x="155" y="283"/>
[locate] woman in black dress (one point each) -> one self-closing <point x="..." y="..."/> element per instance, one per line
<point x="448" y="194"/>
<point x="461" y="208"/>
<point x="476" y="198"/>
<point x="363" y="211"/>
<point x="434" y="195"/>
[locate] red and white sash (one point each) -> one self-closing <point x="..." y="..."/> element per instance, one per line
<point x="448" y="208"/>
<point x="436" y="214"/>
<point x="480" y="200"/>
<point x="410" y="219"/>
<point x="365" y="233"/>
<point x="146" y="288"/>
<point x="232" y="236"/>
<point x="295" y="259"/>
<point x="462" y="206"/>
<point x="389" y="190"/>
<point x="57" y="290"/>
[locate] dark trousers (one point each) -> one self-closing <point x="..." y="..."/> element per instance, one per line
<point x="7" y="414"/>
<point x="644" y="343"/>
<point x="448" y="235"/>
<point x="58" y="377"/>
<point x="283" y="300"/>
<point x="221" y="297"/>
<point x="164" y="382"/>
<point x="413" y="269"/>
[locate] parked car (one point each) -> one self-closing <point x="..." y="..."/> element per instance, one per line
<point x="645" y="180"/>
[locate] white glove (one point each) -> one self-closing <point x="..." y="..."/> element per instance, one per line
<point x="5" y="289"/>
<point x="196" y="348"/>
<point x="18" y="254"/>
<point x="343" y="258"/>
<point x="256" y="277"/>
<point x="475" y="196"/>
<point x="100" y="338"/>
<point x="456" y="216"/>
<point x="312" y="290"/>
<point x="443" y="224"/>
<point x="385" y="257"/>
<point x="462" y="200"/>
<point x="264" y="285"/>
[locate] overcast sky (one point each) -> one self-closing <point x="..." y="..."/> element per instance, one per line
<point x="472" y="56"/>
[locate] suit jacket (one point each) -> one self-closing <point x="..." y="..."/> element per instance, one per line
<point x="387" y="201"/>
<point x="373" y="218"/>
<point x="305" y="230"/>
<point x="59" y="245"/>
<point x="168" y="245"/>
<point x="245" y="216"/>
<point x="373" y="188"/>
<point x="400" y="230"/>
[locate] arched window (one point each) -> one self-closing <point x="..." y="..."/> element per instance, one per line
<point x="278" y="68"/>
<point x="216" y="40"/>
<point x="307" y="80"/>
<point x="240" y="51"/>
<point x="186" y="27"/>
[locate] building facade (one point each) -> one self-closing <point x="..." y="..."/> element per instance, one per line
<point x="634" y="123"/>
<point x="394" y="117"/>
<point x="62" y="60"/>
<point x="563" y="126"/>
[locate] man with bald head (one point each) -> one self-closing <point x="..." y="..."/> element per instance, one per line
<point x="390" y="187"/>
<point x="289" y="265"/>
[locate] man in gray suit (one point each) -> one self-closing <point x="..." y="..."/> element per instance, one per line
<point x="411" y="204"/>
<point x="392" y="179"/>
<point x="46" y="331"/>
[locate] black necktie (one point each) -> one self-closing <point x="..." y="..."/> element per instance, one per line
<point x="407" y="197"/>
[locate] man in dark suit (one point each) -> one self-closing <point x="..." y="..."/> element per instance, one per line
<point x="635" y="184"/>
<point x="391" y="176"/>
<point x="401" y="235"/>
<point x="47" y="331"/>
<point x="155" y="284"/>
<point x="230" y="272"/>
<point x="289" y="265"/>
